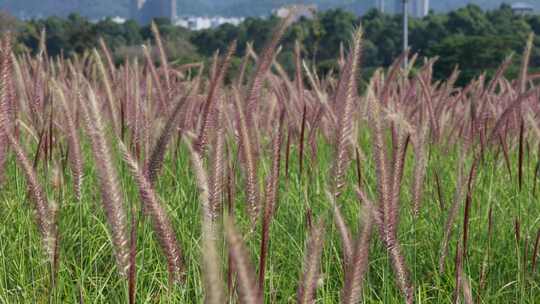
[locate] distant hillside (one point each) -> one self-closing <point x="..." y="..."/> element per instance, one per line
<point x="102" y="8"/>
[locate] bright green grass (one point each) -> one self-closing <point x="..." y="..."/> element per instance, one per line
<point x="87" y="266"/>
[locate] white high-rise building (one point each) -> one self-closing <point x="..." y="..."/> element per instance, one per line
<point x="145" y="10"/>
<point x="417" y="8"/>
<point x="380" y="6"/>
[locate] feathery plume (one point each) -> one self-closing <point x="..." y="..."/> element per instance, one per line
<point x="108" y="57"/>
<point x="132" y="272"/>
<point x="354" y="275"/>
<point x="520" y="153"/>
<point x="345" y="96"/>
<point x="111" y="195"/>
<point x="249" y="160"/>
<point x="302" y="102"/>
<point x="160" y="220"/>
<point x="272" y="185"/>
<point x="308" y="283"/>
<point x="523" y="94"/>
<point x="248" y="291"/>
<point x="217" y="170"/>
<point x="380" y="159"/>
<point x="420" y="164"/>
<point x="162" y="98"/>
<point x="108" y="90"/>
<point x="208" y="117"/>
<point x="213" y="281"/>
<point x="388" y="194"/>
<point x="155" y="161"/>
<point x="263" y="66"/>
<point x="6" y="109"/>
<point x="162" y="56"/>
<point x="343" y="230"/>
<point x="522" y="81"/>
<point x="75" y="155"/>
<point x="44" y="211"/>
<point x="211" y="266"/>
<point x="240" y="80"/>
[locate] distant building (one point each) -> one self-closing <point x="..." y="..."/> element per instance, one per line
<point x="145" y="10"/>
<point x="301" y="10"/>
<point x="522" y="8"/>
<point x="199" y="23"/>
<point x="417" y="8"/>
<point x="115" y="19"/>
<point x="380" y="6"/>
<point x="203" y="23"/>
<point x="118" y="20"/>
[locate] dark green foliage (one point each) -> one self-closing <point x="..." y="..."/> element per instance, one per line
<point x="474" y="39"/>
<point x="469" y="37"/>
<point x="76" y="34"/>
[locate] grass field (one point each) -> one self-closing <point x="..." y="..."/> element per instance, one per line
<point x="419" y="161"/>
<point x="87" y="264"/>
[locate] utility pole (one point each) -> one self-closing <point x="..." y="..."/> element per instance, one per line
<point x="405" y="31"/>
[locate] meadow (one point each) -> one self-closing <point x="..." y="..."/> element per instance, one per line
<point x="155" y="183"/>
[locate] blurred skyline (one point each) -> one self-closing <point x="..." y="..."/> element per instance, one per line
<point x="97" y="9"/>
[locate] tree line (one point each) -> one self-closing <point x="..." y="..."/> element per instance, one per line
<point x="470" y="38"/>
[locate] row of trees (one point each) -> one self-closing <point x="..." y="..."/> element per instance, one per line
<point x="474" y="39"/>
<point x="76" y="34"/>
<point x="469" y="37"/>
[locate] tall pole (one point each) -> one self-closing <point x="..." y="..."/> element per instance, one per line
<point x="405" y="30"/>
